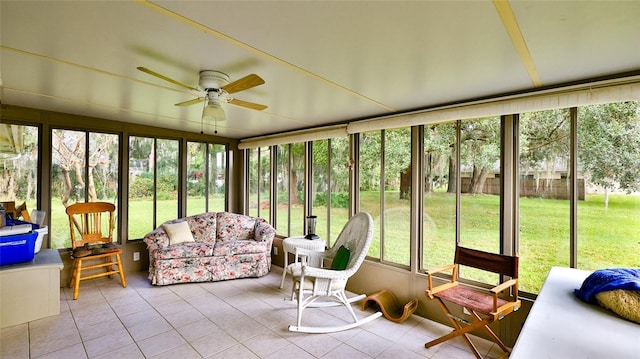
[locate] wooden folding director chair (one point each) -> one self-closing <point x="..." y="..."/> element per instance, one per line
<point x="94" y="223"/>
<point x="484" y="307"/>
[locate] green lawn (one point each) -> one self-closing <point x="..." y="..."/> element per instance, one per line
<point x="606" y="237"/>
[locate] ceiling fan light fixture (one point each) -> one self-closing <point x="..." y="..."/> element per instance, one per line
<point x="213" y="111"/>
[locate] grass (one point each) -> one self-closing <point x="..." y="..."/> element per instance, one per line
<point x="606" y="237"/>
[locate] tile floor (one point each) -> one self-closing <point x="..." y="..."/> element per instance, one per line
<point x="246" y="318"/>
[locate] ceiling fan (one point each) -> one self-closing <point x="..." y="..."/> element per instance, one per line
<point x="215" y="88"/>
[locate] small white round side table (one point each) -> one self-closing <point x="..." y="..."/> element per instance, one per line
<point x="290" y="244"/>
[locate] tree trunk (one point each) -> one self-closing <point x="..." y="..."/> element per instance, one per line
<point x="428" y="183"/>
<point x="30" y="185"/>
<point x="405" y="183"/>
<point x="105" y="180"/>
<point x="293" y="188"/>
<point x="67" y="187"/>
<point x="478" y="179"/>
<point x="93" y="196"/>
<point x="80" y="185"/>
<point x="453" y="179"/>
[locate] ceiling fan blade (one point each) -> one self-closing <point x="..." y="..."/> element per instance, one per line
<point x="244" y="83"/>
<point x="251" y="105"/>
<point x="163" y="77"/>
<point x="191" y="102"/>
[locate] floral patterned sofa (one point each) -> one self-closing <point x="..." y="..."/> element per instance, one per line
<point x="224" y="246"/>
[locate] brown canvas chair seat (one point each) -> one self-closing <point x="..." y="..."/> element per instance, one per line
<point x="470" y="299"/>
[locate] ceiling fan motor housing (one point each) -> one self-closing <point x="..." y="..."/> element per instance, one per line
<point x="210" y="79"/>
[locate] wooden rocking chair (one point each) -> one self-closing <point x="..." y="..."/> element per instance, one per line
<point x="484" y="307"/>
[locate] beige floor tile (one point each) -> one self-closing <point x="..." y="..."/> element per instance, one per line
<point x="184" y="317"/>
<point x="397" y="351"/>
<point x="246" y="329"/>
<point x="122" y="310"/>
<point x="89" y="332"/>
<point x="148" y="329"/>
<point x="236" y="351"/>
<point x="214" y="343"/>
<point x="227" y="318"/>
<point x="346" y="351"/>
<point x="276" y="318"/>
<point x="52" y="324"/>
<point x="161" y="343"/>
<point x="107" y="343"/>
<point x="53" y="341"/>
<point x="444" y="351"/>
<point x="137" y="318"/>
<point x="184" y="351"/>
<point x="246" y="318"/>
<point x="177" y="306"/>
<point x="198" y="329"/>
<point x="317" y="345"/>
<point x="164" y="299"/>
<point x="188" y="291"/>
<point x="369" y="343"/>
<point x="74" y="351"/>
<point x="252" y="307"/>
<point x="14" y="341"/>
<point x="93" y="318"/>
<point x="266" y="344"/>
<point x="124" y="298"/>
<point x="130" y="351"/>
<point x="291" y="351"/>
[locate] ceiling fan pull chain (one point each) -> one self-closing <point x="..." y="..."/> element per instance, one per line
<point x="202" y="121"/>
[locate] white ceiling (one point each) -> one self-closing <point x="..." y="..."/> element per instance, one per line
<point x="323" y="62"/>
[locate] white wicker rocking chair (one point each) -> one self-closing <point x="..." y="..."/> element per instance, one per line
<point x="310" y="284"/>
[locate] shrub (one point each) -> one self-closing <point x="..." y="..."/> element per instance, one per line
<point x="338" y="200"/>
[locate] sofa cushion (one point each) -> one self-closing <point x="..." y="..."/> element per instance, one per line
<point x="233" y="226"/>
<point x="185" y="250"/>
<point x="229" y="248"/>
<point x="203" y="226"/>
<point x="178" y="232"/>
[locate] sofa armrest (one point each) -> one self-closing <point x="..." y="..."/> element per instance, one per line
<point x="156" y="239"/>
<point x="264" y="231"/>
